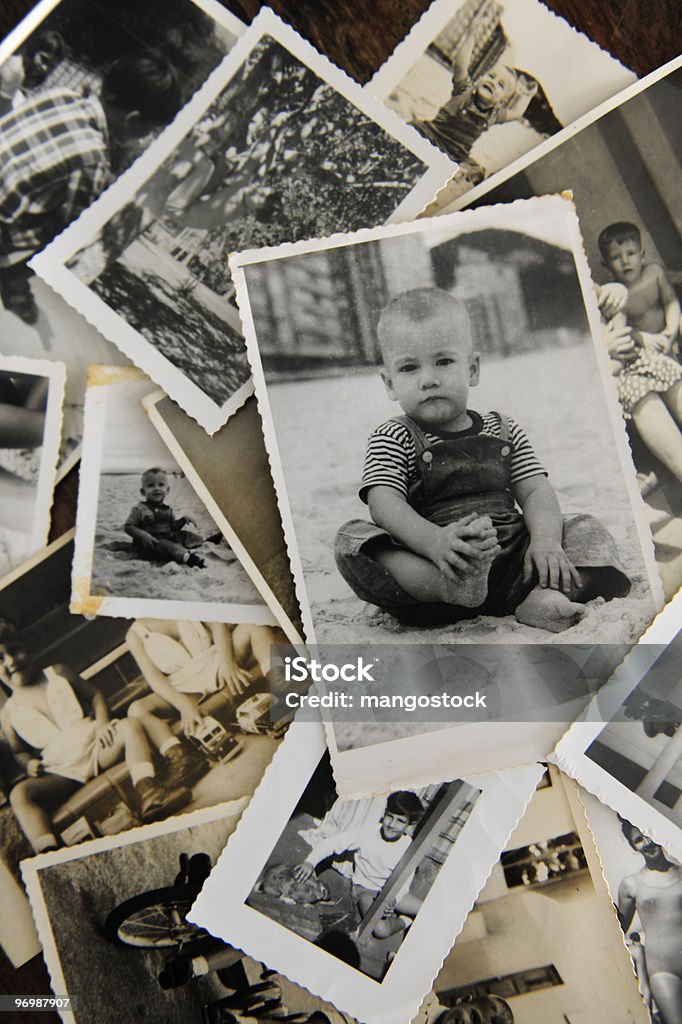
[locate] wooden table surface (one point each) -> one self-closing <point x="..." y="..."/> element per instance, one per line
<point x="359" y="35"/>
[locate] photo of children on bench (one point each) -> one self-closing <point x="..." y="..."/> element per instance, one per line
<point x="108" y="723"/>
<point x="496" y="494"/>
<point x="351" y="875"/>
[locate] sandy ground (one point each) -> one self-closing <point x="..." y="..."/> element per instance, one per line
<point x="121" y="574"/>
<point x="556" y="394"/>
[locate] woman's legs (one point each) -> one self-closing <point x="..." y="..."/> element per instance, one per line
<point x="667" y="992"/>
<point x="657" y="419"/>
<point x="32" y="800"/>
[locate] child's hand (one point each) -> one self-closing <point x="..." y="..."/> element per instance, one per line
<point x="34" y="767"/>
<point x="191" y="718"/>
<point x="451" y="553"/>
<point x="554" y="569"/>
<point x="304" y="871"/>
<point x="233" y="678"/>
<point x="106" y="735"/>
<point x="654" y="344"/>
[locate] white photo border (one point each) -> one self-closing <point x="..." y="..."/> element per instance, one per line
<point x="55" y="373"/>
<point x="221" y="906"/>
<point x="509" y="215"/>
<point x="440" y="206"/>
<point x="50" y="264"/>
<point x="83" y="602"/>
<point x="570" y="754"/>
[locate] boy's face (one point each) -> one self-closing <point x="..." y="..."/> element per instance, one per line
<point x="393" y="826"/>
<point x="624" y="260"/>
<point x="155" y="488"/>
<point x="428" y="369"/>
<point x="14" y="664"/>
<point x="495" y="87"/>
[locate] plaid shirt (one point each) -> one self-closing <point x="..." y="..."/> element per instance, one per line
<point x="54" y="162"/>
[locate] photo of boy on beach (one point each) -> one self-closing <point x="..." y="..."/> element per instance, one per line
<point x="444" y="485"/>
<point x="487" y="514"/>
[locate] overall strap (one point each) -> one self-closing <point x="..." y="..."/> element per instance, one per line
<point x="504" y="426"/>
<point x="416" y="433"/>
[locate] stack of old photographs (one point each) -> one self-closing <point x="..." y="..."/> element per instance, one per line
<point x="224" y="266"/>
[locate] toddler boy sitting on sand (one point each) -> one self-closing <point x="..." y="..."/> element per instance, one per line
<point x="443" y="483"/>
<point x="156" y="533"/>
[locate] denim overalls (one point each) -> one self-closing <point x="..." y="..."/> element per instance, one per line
<point x="457" y="476"/>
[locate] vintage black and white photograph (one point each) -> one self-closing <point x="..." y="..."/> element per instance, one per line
<point x="628" y="749"/>
<point x="487" y="81"/>
<point x="112" y="920"/>
<point x="345" y="897"/>
<point x="134" y="64"/>
<point x="279" y="145"/>
<point x="480" y="330"/>
<point x="529" y="955"/>
<point x="107" y="723"/>
<point x="645" y="884"/>
<point x="31" y="395"/>
<point x="630" y="223"/>
<point x="222" y="469"/>
<point x="146" y="544"/>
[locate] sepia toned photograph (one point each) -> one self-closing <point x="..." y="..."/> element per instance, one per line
<point x="630" y="224"/>
<point x="31" y="397"/>
<point x="223" y="468"/>
<point x="279" y="145"/>
<point x="70" y="59"/>
<point x="146" y="544"/>
<point x="627" y="748"/>
<point x="345" y="897"/>
<point x="487" y="81"/>
<point x="110" y="723"/>
<point x="517" y="384"/>
<point x="533" y="954"/>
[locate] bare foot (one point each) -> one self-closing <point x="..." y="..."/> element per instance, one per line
<point x="471" y="589"/>
<point x="549" y="609"/>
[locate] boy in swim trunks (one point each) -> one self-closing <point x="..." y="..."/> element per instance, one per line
<point x="155" y="531"/>
<point x="443" y="483"/>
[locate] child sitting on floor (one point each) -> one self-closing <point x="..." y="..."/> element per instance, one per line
<point x="157" y="534"/>
<point x="447" y="541"/>
<point x="376" y="852"/>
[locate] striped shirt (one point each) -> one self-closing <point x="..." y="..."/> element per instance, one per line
<point x="54" y="162"/>
<point x="460" y="122"/>
<point x="391" y="456"/>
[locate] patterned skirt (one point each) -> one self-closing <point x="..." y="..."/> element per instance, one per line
<point x="648" y="373"/>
